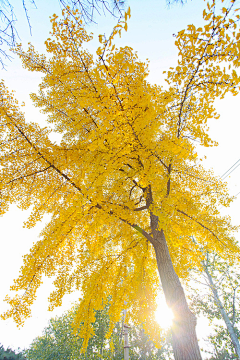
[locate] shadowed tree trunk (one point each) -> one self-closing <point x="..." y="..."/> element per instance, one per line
<point x="184" y="338"/>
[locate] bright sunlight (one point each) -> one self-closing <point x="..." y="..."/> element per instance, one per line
<point x="164" y="315"/>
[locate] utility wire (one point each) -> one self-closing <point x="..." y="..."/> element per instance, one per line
<point x="237" y="194"/>
<point x="228" y="172"/>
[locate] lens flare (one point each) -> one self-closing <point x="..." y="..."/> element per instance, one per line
<point x="163" y="315"/>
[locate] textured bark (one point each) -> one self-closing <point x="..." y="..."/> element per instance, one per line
<point x="225" y="317"/>
<point x="184" y="339"/>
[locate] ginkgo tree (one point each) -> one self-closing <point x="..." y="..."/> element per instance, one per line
<point x="124" y="187"/>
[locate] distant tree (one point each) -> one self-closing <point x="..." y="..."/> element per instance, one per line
<point x="143" y="349"/>
<point x="220" y="303"/>
<point x="10" y="354"/>
<point x="59" y="342"/>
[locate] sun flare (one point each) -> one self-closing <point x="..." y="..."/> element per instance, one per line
<point x="163" y="315"/>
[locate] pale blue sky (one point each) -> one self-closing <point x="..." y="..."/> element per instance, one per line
<point x="150" y="33"/>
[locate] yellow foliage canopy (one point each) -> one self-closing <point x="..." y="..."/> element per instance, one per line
<point x="127" y="149"/>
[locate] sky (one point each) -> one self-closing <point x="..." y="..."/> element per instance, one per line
<point x="150" y="33"/>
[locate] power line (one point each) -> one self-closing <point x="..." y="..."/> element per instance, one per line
<point x="228" y="172"/>
<point x="237" y="194"/>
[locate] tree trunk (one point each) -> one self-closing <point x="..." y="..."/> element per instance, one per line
<point x="225" y="317"/>
<point x="125" y="332"/>
<point x="184" y="338"/>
